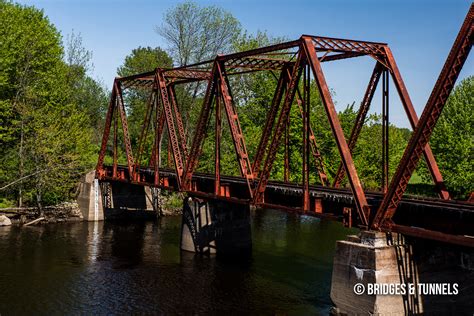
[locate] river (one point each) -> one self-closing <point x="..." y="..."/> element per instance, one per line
<point x="137" y="267"/>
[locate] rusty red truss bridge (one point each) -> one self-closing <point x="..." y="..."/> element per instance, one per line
<point x="295" y="65"/>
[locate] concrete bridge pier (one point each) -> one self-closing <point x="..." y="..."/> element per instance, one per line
<point x="90" y="198"/>
<point x="115" y="200"/>
<point x="215" y="226"/>
<point x="376" y="273"/>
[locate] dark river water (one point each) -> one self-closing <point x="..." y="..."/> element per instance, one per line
<point x="137" y="268"/>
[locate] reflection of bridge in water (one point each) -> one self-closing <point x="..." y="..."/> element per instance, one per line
<point x="217" y="210"/>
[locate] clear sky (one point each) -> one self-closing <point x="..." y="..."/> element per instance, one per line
<point x="420" y="34"/>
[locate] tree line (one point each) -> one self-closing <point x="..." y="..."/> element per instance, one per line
<point x="52" y="110"/>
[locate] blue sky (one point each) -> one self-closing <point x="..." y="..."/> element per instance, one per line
<point x="420" y="34"/>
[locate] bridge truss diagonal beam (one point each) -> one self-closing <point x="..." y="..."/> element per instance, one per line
<point x="150" y="106"/>
<point x="235" y="128"/>
<point x="413" y="118"/>
<point x="106" y="132"/>
<point x="159" y="126"/>
<point x="269" y="122"/>
<point x="174" y="139"/>
<point x="421" y="135"/>
<point x="179" y="121"/>
<point x="200" y="131"/>
<point x="346" y="157"/>
<point x="258" y="196"/>
<point x="126" y="135"/>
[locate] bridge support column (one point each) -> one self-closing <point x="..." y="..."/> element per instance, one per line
<point x="215" y="227"/>
<point x="360" y="262"/>
<point x="424" y="276"/>
<point x="90" y="198"/>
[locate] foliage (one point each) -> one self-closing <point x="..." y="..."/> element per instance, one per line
<point x="52" y="112"/>
<point x="453" y="140"/>
<point x="143" y="59"/>
<point x="368" y="151"/>
<point x="49" y="107"/>
<point x="197" y="33"/>
<point x="140" y="60"/>
<point x="172" y="201"/>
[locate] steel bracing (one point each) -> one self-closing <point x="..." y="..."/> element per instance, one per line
<point x="296" y="67"/>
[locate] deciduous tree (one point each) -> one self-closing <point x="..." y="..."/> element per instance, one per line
<point x="453" y="140"/>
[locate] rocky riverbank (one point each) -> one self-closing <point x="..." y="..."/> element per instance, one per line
<point x="63" y="212"/>
<point x="171" y="205"/>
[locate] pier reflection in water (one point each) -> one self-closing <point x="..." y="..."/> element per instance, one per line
<point x="125" y="267"/>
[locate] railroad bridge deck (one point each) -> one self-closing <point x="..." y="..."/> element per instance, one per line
<point x="434" y="218"/>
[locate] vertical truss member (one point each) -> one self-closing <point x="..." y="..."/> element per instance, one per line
<point x="306" y="127"/>
<point x="385" y="131"/>
<point x="218" y="134"/>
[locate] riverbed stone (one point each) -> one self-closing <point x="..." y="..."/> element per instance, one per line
<point x="5" y="221"/>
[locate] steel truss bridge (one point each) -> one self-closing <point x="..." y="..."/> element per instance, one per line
<point x="295" y="65"/>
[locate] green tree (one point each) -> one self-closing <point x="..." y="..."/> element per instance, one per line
<point x="453" y="140"/>
<point x="141" y="59"/>
<point x="46" y="139"/>
<point x="30" y="51"/>
<point x="196" y="33"/>
<point x="367" y="153"/>
<point x="89" y="95"/>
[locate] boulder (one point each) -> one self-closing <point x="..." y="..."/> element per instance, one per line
<point x="5" y="221"/>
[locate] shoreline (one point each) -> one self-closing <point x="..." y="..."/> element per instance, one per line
<point x="66" y="212"/>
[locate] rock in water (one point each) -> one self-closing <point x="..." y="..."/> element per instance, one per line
<point x="5" y="221"/>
